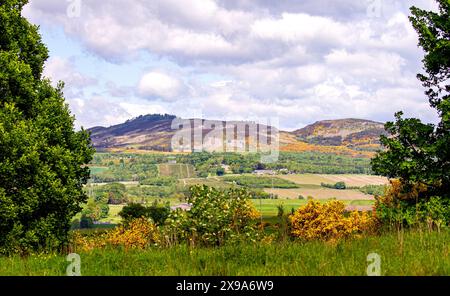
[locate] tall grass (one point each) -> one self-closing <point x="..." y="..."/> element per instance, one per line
<point x="420" y="253"/>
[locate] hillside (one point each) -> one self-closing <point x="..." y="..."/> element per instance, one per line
<point x="356" y="137"/>
<point x="154" y="132"/>
<point x="352" y="133"/>
<point x="147" y="132"/>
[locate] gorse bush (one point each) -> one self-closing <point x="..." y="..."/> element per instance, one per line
<point x="329" y="221"/>
<point x="137" y="234"/>
<point x="215" y="218"/>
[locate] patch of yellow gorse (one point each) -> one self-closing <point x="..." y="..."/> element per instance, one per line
<point x="138" y="234"/>
<point x="329" y="221"/>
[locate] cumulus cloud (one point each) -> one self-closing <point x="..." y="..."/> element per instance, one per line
<point x="300" y="60"/>
<point x="160" y="85"/>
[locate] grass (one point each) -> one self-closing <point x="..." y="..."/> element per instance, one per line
<point x="421" y="253"/>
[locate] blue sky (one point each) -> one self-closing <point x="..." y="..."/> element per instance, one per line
<point x="299" y="61"/>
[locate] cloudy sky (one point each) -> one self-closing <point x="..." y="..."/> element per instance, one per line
<point x="300" y="61"/>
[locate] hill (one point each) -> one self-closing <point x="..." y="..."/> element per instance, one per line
<point x="353" y="133"/>
<point x="356" y="137"/>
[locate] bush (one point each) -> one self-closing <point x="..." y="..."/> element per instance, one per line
<point x="215" y="218"/>
<point x="329" y="221"/>
<point x="137" y="234"/>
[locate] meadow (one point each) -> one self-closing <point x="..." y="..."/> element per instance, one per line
<point x="399" y="256"/>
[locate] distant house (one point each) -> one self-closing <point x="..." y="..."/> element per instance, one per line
<point x="183" y="206"/>
<point x="264" y="172"/>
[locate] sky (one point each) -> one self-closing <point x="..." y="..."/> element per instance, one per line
<point x="297" y="61"/>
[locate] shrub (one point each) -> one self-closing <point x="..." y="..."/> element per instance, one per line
<point x="216" y="217"/>
<point x="329" y="221"/>
<point x="137" y="234"/>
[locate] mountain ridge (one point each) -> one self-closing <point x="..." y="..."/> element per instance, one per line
<point x="153" y="132"/>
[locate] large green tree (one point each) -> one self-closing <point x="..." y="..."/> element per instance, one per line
<point x="42" y="157"/>
<point x="419" y="153"/>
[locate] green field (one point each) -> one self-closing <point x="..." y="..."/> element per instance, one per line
<point x="419" y="253"/>
<point x="97" y="169"/>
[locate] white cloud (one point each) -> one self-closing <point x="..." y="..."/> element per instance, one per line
<point x="160" y="85"/>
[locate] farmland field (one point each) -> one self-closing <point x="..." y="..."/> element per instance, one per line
<point x="319" y="193"/>
<point x="349" y="179"/>
<point x="176" y="170"/>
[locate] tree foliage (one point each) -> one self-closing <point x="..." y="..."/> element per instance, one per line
<point x="418" y="152"/>
<point x="41" y="156"/>
<point x="215" y="218"/>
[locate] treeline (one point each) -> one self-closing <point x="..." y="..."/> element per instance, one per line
<point x="140" y="167"/>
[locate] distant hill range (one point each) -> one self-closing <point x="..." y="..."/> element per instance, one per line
<point x="356" y="137"/>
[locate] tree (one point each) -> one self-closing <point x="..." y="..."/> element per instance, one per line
<point x="133" y="211"/>
<point x="419" y="153"/>
<point x="340" y="185"/>
<point x="42" y="157"/>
